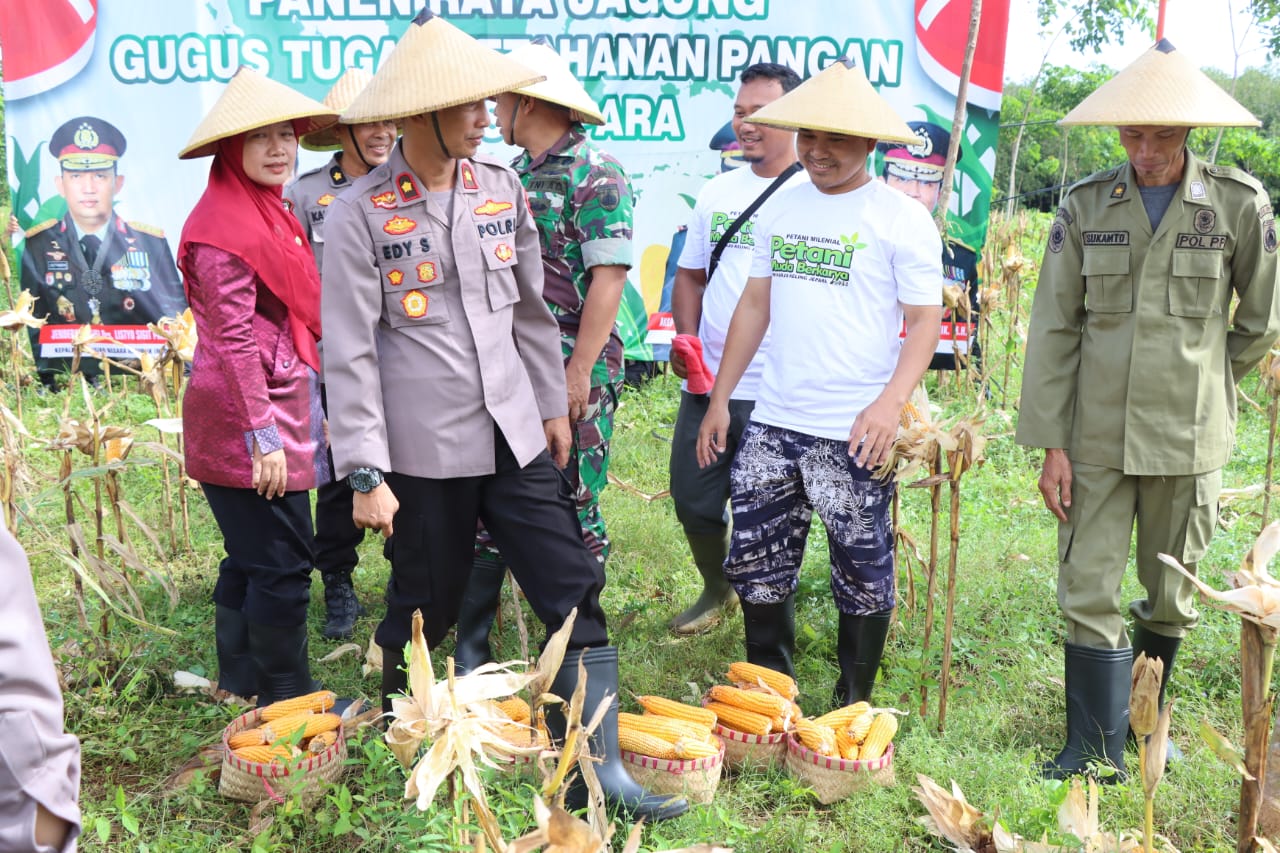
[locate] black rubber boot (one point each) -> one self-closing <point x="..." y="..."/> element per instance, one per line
<point x="771" y="634"/>
<point x="280" y="657"/>
<point x="1166" y="648"/>
<point x="236" y="672"/>
<point x="717" y="597"/>
<point x="341" y="606"/>
<point x="621" y="792"/>
<point x="1097" y="712"/>
<point x="859" y="649"/>
<point x="479" y="606"/>
<point x="395" y="678"/>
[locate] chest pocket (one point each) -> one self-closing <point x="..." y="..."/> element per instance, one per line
<point x="500" y="279"/>
<point x="1108" y="284"/>
<point x="1194" y="287"/>
<point x="413" y="292"/>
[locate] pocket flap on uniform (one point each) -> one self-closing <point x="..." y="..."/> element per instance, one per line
<point x="1192" y="263"/>
<point x="1098" y="262"/>
<point x="498" y="254"/>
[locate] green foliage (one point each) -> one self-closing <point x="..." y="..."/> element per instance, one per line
<point x="1091" y="24"/>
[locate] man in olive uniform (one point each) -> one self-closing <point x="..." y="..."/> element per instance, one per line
<point x="445" y="375"/>
<point x="360" y="148"/>
<point x="581" y="202"/>
<point x="91" y="266"/>
<point x="1132" y="361"/>
<point x="917" y="171"/>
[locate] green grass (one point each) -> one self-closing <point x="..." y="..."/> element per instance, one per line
<point x="1005" y="710"/>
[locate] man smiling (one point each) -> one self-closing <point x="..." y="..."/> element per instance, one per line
<point x="851" y="259"/>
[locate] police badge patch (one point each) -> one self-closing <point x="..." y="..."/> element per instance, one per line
<point x="1057" y="236"/>
<point x="1205" y="220"/>
<point x="1269" y="237"/>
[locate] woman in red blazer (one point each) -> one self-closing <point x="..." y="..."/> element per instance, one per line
<point x="253" y="428"/>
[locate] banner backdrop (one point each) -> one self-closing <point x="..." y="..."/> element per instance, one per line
<point x="664" y="71"/>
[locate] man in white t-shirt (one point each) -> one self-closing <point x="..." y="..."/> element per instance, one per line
<point x="702" y="305"/>
<point x="839" y="264"/>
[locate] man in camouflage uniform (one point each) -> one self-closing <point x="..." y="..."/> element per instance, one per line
<point x="1133" y="356"/>
<point x="581" y="201"/>
<point x="359" y="148"/>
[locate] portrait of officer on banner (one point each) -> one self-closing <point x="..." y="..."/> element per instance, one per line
<point x="91" y="266"/>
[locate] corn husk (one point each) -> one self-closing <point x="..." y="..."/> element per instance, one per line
<point x="1144" y="694"/>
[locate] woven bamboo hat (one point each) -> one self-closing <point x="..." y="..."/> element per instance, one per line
<point x="838" y="99"/>
<point x="350" y="84"/>
<point x="1161" y="87"/>
<point x="435" y="65"/>
<point x="560" y="86"/>
<point x="252" y="100"/>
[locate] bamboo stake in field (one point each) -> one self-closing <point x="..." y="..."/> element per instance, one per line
<point x="1270" y="372"/>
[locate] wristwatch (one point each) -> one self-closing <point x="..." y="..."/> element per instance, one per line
<point x="364" y="480"/>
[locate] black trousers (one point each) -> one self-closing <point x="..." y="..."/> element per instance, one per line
<point x="270" y="549"/>
<point x="337" y="536"/>
<point x="531" y="515"/>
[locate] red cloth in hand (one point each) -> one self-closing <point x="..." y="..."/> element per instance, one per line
<point x="700" y="377"/>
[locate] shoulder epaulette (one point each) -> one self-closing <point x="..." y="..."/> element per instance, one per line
<point x="1099" y="177"/>
<point x="43" y="226"/>
<point x="309" y="173"/>
<point x="147" y="229"/>
<point x="489" y="160"/>
<point x="1238" y="175"/>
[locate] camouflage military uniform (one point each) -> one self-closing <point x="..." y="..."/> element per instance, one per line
<point x="581" y="200"/>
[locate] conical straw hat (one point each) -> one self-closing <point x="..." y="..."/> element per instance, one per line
<point x="435" y="65"/>
<point x="1161" y="87"/>
<point x="560" y="87"/>
<point x="250" y="101"/>
<point x="349" y="85"/>
<point x="838" y="99"/>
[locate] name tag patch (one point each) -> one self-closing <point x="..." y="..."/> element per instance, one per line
<point x="1214" y="242"/>
<point x="1106" y="238"/>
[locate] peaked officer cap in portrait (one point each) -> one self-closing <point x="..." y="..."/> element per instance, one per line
<point x="921" y="160"/>
<point x="251" y="101"/>
<point x="838" y="99"/>
<point x="434" y="66"/>
<point x="1161" y="87"/>
<point x="86" y="143"/>
<point x="560" y="87"/>
<point x="343" y="93"/>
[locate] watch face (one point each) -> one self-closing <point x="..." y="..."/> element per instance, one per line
<point x="364" y="480"/>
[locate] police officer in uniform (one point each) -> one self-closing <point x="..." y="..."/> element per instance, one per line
<point x="917" y="171"/>
<point x="91" y="266"/>
<point x="360" y="147"/>
<point x="582" y="205"/>
<point x="1132" y="361"/>
<point x="444" y="371"/>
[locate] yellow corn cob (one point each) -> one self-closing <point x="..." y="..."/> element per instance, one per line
<point x="843" y="716"/>
<point x="645" y="744"/>
<point x="753" y="675"/>
<point x="515" y="708"/>
<point x="322" y="741"/>
<point x="762" y="703"/>
<point x="279" y="753"/>
<point x="846" y="745"/>
<point x="688" y="748"/>
<point x="670" y="708"/>
<point x="309" y="724"/>
<point x="883" y="728"/>
<point x="909" y="414"/>
<point x="858" y="728"/>
<point x="740" y="719"/>
<point x="818" y="738"/>
<point x="667" y="728"/>
<point x="315" y="703"/>
<point x="248" y="737"/>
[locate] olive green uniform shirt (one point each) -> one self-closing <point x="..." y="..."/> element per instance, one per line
<point x="1134" y="353"/>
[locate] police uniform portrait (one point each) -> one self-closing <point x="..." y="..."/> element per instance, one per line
<point x="91" y="266"/>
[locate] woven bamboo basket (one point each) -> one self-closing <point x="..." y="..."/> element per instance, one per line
<point x="695" y="780"/>
<point x="742" y="750"/>
<point x="253" y="782"/>
<point x="834" y="779"/>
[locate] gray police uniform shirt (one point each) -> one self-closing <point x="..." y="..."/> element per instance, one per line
<point x="434" y="324"/>
<point x="309" y="197"/>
